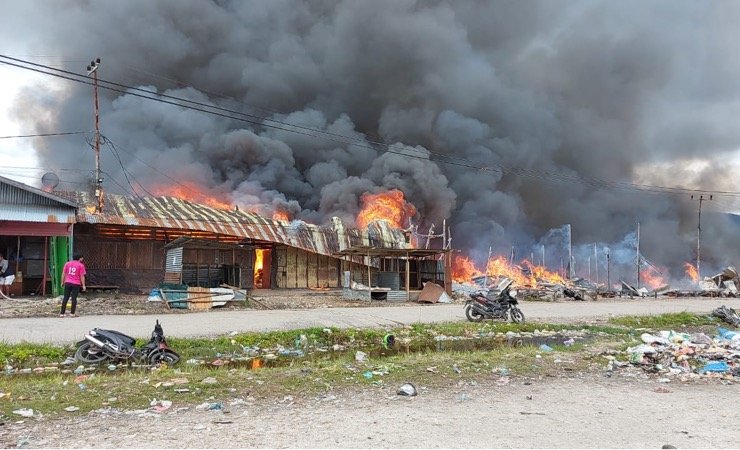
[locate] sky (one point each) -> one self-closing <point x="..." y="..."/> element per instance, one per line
<point x="505" y="119"/>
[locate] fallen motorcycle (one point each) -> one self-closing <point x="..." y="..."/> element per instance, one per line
<point x="501" y="306"/>
<point x="109" y="346"/>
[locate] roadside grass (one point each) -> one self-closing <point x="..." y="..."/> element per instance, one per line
<point x="135" y="389"/>
<point x="666" y="321"/>
<point x="319" y="372"/>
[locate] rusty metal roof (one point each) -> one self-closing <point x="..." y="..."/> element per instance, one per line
<point x="175" y="213"/>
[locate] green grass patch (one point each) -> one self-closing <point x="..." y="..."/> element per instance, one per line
<point x="666" y="321"/>
<point x="134" y="389"/>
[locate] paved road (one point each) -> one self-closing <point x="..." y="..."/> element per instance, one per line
<point x="59" y="330"/>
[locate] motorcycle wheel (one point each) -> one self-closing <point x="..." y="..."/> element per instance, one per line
<point x="517" y="316"/>
<point x="472" y="316"/>
<point x="163" y="356"/>
<point x="85" y="355"/>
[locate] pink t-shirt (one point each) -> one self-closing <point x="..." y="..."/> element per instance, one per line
<point x="73" y="270"/>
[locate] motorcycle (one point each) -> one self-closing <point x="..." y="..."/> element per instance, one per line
<point x="109" y="345"/>
<point x="502" y="306"/>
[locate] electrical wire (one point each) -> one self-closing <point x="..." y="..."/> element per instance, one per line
<point x="389" y="148"/>
<point x="70" y="133"/>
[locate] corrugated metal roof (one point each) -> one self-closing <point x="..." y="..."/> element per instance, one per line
<point x="24" y="203"/>
<point x="14" y="193"/>
<point x="171" y="212"/>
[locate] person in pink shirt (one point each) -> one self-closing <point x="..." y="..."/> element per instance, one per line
<point x="73" y="279"/>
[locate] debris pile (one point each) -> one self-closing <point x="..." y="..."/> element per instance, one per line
<point x="685" y="355"/>
<point x="724" y="284"/>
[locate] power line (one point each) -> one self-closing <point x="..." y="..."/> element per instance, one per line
<point x="406" y="152"/>
<point x="70" y="133"/>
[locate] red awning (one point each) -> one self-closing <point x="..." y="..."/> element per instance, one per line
<point x="16" y="228"/>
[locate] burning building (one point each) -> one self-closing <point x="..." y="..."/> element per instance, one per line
<point x="137" y="242"/>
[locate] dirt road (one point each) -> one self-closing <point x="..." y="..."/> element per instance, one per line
<point x="594" y="412"/>
<point x="61" y="330"/>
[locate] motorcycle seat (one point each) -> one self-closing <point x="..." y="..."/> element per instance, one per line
<point x="116" y="335"/>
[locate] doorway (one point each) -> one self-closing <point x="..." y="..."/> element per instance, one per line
<point x="262" y="265"/>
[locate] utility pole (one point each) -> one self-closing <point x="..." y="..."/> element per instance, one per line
<point x="596" y="264"/>
<point x="698" y="237"/>
<point x="511" y="258"/>
<point x="543" y="255"/>
<point x="92" y="69"/>
<point x="488" y="260"/>
<point x="608" y="270"/>
<point x="570" y="254"/>
<point x="638" y="255"/>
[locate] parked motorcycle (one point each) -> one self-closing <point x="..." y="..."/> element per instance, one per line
<point x="501" y="306"/>
<point x="109" y="345"/>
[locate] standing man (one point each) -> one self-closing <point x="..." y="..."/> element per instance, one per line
<point x="73" y="278"/>
<point x="6" y="277"/>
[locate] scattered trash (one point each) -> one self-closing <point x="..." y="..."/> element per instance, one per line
<point x="715" y="366"/>
<point x="728" y="315"/>
<point x="71" y="409"/>
<point x="408" y="390"/>
<point x="456" y="369"/>
<point x="25" y="412"/>
<point x="389" y="341"/>
<point x="360" y="356"/>
<point x="210" y="406"/>
<point x="209" y="380"/>
<point x="69" y="361"/>
<point x="112" y="367"/>
<point x="79" y="370"/>
<point x="569" y="342"/>
<point x="160" y="405"/>
<point x="22" y="442"/>
<point x="367" y="374"/>
<point x="545" y="348"/>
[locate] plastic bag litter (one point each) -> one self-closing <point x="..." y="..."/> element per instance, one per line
<point x="728" y="334"/>
<point x="360" y="356"/>
<point x="701" y="338"/>
<point x="407" y="389"/>
<point x="545" y="348"/>
<point x="25" y="412"/>
<point x="715" y="366"/>
<point x="652" y="339"/>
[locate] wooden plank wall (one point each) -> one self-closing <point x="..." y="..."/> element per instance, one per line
<point x="297" y="268"/>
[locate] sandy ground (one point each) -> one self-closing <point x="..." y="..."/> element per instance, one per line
<point x="553" y="413"/>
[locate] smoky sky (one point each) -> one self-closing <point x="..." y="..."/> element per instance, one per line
<point x="551" y="92"/>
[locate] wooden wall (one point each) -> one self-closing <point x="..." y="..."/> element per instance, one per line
<point x="295" y="268"/>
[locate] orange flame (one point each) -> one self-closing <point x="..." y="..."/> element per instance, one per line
<point x="259" y="261"/>
<point x="651" y="279"/>
<point x="186" y="190"/>
<point x="389" y="206"/>
<point x="463" y="269"/>
<point x="280" y="215"/>
<point x="691" y="272"/>
<point x="540" y="273"/>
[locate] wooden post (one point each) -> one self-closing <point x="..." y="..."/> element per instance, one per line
<point x="46" y="265"/>
<point x="408" y="277"/>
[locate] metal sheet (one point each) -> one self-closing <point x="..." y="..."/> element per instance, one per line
<point x="175" y="213"/>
